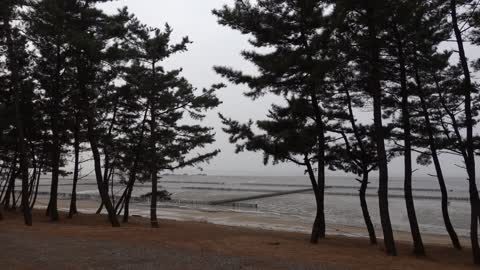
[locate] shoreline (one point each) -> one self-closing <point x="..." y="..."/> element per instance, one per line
<point x="262" y="249"/>
<point x="248" y="220"/>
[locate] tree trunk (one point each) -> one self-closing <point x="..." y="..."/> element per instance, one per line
<point x="55" y="114"/>
<point x="133" y="171"/>
<point x="98" y="172"/>
<point x="319" y="217"/>
<point x="106" y="150"/>
<point x="319" y="224"/>
<point x="153" y="209"/>
<point x="89" y="115"/>
<point x="52" y="205"/>
<point x="375" y="87"/>
<point x="112" y="191"/>
<point x="33" y="176"/>
<point x="76" y="147"/>
<point x="470" y="162"/>
<point x="6" y="180"/>
<point x="126" y="212"/>
<point x="418" y="248"/>
<point x="121" y="202"/>
<point x="9" y="184"/>
<point x="438" y="168"/>
<point x="153" y="149"/>
<point x="366" y="214"/>
<point x="365" y="172"/>
<point x="35" y="193"/>
<point x="321" y="185"/>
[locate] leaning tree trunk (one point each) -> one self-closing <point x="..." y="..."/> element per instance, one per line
<point x="365" y="212"/>
<point x="108" y="146"/>
<point x="375" y="87"/>
<point x="15" y="80"/>
<point x="10" y="183"/>
<point x="441" y="180"/>
<point x="470" y="149"/>
<point x="6" y="180"/>
<point x="10" y="195"/>
<point x="438" y="168"/>
<point x="89" y="112"/>
<point x="98" y="172"/>
<point x="365" y="172"/>
<point x="418" y="248"/>
<point x="319" y="217"/>
<point x="35" y="192"/>
<point x="133" y="171"/>
<point x="127" y="195"/>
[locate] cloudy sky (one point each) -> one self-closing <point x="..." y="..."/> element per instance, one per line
<point x="216" y="45"/>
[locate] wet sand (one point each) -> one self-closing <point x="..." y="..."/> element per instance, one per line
<point x="88" y="242"/>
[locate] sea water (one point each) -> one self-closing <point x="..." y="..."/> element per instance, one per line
<point x="193" y="195"/>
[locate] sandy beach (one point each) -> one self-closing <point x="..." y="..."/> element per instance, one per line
<point x="88" y="242"/>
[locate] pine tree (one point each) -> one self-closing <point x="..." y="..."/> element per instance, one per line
<point x="365" y="22"/>
<point x="17" y="63"/>
<point x="300" y="34"/>
<point x="399" y="47"/>
<point x="91" y="32"/>
<point x="169" y="99"/>
<point x="48" y="30"/>
<point x="422" y="33"/>
<point x="356" y="152"/>
<point x="459" y="24"/>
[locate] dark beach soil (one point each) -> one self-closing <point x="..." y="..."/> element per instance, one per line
<point x="88" y="242"/>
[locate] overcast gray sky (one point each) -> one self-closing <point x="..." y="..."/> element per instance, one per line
<point x="217" y="45"/>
